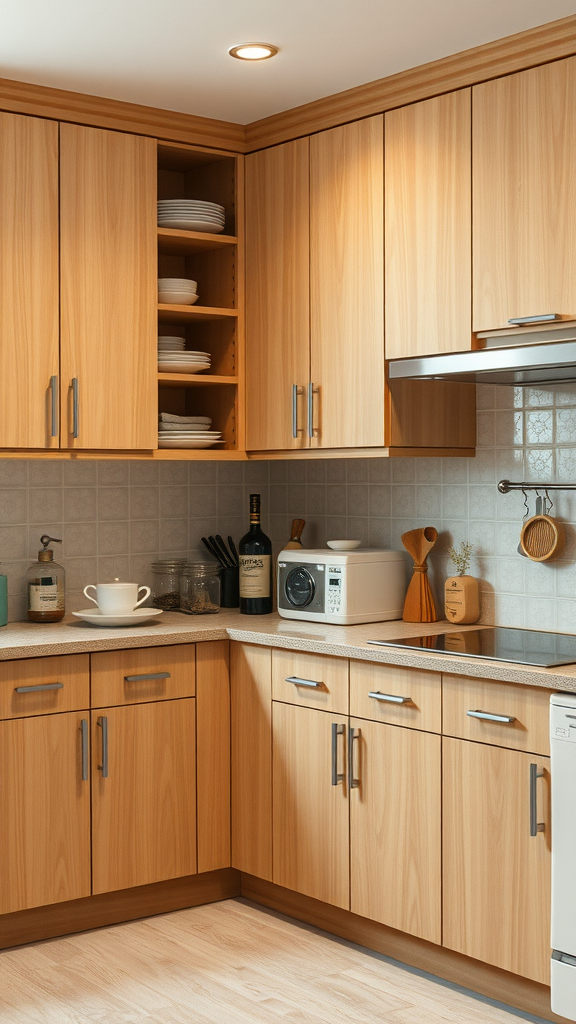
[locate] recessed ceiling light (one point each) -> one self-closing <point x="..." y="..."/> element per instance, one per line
<point x="253" y="51"/>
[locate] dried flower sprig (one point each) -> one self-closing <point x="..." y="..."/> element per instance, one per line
<point x="461" y="558"/>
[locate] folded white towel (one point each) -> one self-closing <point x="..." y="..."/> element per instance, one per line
<point x="170" y="417"/>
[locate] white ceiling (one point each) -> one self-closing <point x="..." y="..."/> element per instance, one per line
<point x="173" y="53"/>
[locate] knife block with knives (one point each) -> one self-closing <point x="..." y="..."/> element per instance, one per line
<point x="230" y="575"/>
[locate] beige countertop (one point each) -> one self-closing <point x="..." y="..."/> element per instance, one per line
<point x="33" y="640"/>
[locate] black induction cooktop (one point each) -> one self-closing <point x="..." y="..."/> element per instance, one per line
<point x="496" y="643"/>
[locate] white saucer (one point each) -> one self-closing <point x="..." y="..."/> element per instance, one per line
<point x="343" y="545"/>
<point x="97" y="618"/>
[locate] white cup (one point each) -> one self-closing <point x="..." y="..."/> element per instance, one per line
<point x="113" y="598"/>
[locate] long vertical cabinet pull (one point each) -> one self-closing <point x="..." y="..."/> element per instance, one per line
<point x="312" y="390"/>
<point x="54" y="406"/>
<point x="75" y="408"/>
<point x="337" y="730"/>
<point x="535" y="825"/>
<point x="84" y="733"/>
<point x="353" y="781"/>
<point x="296" y="391"/>
<point x="102" y="721"/>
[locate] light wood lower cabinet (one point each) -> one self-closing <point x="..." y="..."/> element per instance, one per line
<point x="395" y="832"/>
<point x="143" y="794"/>
<point x="44" y="810"/>
<point x="496" y="874"/>
<point x="310" y="803"/>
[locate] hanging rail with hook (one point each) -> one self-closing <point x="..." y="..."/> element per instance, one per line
<point x="504" y="486"/>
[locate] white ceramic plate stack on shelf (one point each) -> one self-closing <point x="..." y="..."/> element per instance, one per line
<point x="186" y="431"/>
<point x="191" y="215"/>
<point x="172" y="357"/>
<point x="177" y="291"/>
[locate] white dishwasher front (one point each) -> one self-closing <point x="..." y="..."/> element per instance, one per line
<point x="563" y="928"/>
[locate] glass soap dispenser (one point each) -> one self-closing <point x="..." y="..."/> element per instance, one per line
<point x="46" y="585"/>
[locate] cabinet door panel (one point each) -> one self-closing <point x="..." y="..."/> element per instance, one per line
<point x="496" y="875"/>
<point x="524" y="195"/>
<point x="213" y="754"/>
<point x="251" y="756"/>
<point x="347" y="284"/>
<point x="277" y="294"/>
<point x="109" y="287"/>
<point x="44" y="812"/>
<point x="28" y="280"/>
<point x="395" y="831"/>
<point x="309" y="814"/>
<point x="144" y="812"/>
<point x="428" y="226"/>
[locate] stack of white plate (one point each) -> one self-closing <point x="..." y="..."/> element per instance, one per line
<point x="191" y="215"/>
<point x="179" y="361"/>
<point x="171" y="343"/>
<point x="188" y="438"/>
<point x="177" y="290"/>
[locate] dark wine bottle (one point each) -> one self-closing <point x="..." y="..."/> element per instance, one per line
<point x="255" y="555"/>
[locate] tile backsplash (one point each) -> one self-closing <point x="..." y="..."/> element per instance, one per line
<point x="116" y="517"/>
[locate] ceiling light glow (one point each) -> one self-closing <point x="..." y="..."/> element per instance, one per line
<point x="253" y="51"/>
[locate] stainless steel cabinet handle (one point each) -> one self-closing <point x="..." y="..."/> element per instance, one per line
<point x="311" y="392"/>
<point x="84" y="731"/>
<point x="353" y="734"/>
<point x="54" y="405"/>
<point x="535" y="825"/>
<point x="40" y="686"/>
<point x="296" y="391"/>
<point x="337" y="730"/>
<point x="310" y="683"/>
<point x="147" y="675"/>
<point x="75" y="407"/>
<point x="487" y="717"/>
<point x="543" y="318"/>
<point x="102" y="721"/>
<point x="389" y="698"/>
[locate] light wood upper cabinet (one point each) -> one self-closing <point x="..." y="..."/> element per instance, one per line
<point x="44" y="811"/>
<point x="109" y="289"/>
<point x="347" y="284"/>
<point x="428" y="226"/>
<point x="277" y="296"/>
<point x="496" y="874"/>
<point x="524" y="188"/>
<point x="395" y="829"/>
<point x="29" y="306"/>
<point x="143" y="794"/>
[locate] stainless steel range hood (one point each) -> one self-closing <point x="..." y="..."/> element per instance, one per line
<point x="521" y="365"/>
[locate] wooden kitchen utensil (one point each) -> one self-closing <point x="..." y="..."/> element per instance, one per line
<point x="419" y="604"/>
<point x="295" y="534"/>
<point x="542" y="538"/>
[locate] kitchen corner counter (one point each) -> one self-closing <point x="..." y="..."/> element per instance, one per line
<point x="34" y="640"/>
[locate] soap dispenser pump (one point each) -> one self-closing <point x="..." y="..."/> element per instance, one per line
<point x="46" y="585"/>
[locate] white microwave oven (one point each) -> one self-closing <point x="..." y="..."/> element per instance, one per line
<point x="341" y="587"/>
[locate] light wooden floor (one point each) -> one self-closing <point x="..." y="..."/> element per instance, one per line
<point x="226" y="963"/>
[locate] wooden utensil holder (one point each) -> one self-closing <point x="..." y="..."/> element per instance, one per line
<point x="419" y="605"/>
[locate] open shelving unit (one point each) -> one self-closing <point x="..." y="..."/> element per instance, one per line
<point x="215" y="323"/>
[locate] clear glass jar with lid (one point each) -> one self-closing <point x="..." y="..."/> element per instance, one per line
<point x="166" y="583"/>
<point x="200" y="588"/>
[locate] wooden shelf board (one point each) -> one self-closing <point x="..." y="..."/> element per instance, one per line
<point x="175" y="314"/>
<point x="137" y="454"/>
<point x="172" y="241"/>
<point x="193" y="378"/>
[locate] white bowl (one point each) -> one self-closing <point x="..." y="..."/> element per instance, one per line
<point x="343" y="545"/>
<point x="177" y="298"/>
<point x="180" y="284"/>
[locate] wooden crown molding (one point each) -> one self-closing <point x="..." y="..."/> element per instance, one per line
<point x="170" y="125"/>
<point x="523" y="50"/>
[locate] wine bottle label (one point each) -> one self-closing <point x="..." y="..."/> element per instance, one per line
<point x="255" y="575"/>
<point x="45" y="597"/>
